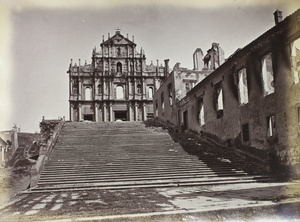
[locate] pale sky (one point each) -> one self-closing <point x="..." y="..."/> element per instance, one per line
<point x="38" y="39"/>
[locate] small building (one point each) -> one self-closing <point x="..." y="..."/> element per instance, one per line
<point x="3" y="150"/>
<point x="116" y="85"/>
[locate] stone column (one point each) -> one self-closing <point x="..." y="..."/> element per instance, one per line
<point x="127" y="86"/>
<point x="70" y="87"/>
<point x="144" y="112"/>
<point x="104" y="113"/>
<point x="135" y="111"/>
<point x="71" y="112"/>
<point x="144" y="89"/>
<point x="135" y="88"/>
<point x="80" y="89"/>
<point x="80" y="112"/>
<point x="129" y="112"/>
<point x="130" y="88"/>
<point x="96" y="112"/>
<point x="111" y="112"/>
<point x="104" y="93"/>
<point x="96" y="83"/>
<point x="111" y="91"/>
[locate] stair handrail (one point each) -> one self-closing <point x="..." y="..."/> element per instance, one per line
<point x="44" y="155"/>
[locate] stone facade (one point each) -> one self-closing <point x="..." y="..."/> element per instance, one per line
<point x="252" y="99"/>
<point x="117" y="85"/>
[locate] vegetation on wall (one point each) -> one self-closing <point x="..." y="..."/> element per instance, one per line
<point x="47" y="128"/>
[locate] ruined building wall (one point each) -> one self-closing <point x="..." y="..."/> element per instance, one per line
<point x="253" y="98"/>
<point x="173" y="89"/>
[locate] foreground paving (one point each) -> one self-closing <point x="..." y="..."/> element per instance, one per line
<point x="247" y="201"/>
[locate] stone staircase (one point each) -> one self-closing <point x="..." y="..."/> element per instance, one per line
<point x="121" y="155"/>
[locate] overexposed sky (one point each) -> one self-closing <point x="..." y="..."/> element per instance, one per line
<point x="38" y="39"/>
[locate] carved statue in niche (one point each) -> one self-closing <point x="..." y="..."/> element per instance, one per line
<point x="139" y="89"/>
<point x="118" y="51"/>
<point x="99" y="64"/>
<point x="75" y="88"/>
<point x="138" y="66"/>
<point x="131" y="66"/>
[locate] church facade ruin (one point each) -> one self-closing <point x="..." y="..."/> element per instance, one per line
<point x="116" y="85"/>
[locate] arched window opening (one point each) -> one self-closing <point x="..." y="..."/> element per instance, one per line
<point x="219" y="99"/>
<point x="295" y="53"/>
<point x="162" y="103"/>
<point x="243" y="86"/>
<point x="119" y="67"/>
<point x="267" y="74"/>
<point x="88" y="93"/>
<point x="201" y="112"/>
<point x="150" y="92"/>
<point x="170" y="94"/>
<point x="119" y="92"/>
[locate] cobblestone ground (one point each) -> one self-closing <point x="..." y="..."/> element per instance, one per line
<point x="247" y="202"/>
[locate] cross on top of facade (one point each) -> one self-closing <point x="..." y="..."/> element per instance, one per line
<point x="118" y="30"/>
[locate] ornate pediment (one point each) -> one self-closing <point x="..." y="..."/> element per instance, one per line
<point x="118" y="39"/>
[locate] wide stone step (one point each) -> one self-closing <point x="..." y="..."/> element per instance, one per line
<point x="126" y="155"/>
<point x="127" y="174"/>
<point x="109" y="178"/>
<point x="146" y="184"/>
<point x="120" y="170"/>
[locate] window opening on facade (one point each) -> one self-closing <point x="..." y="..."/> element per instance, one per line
<point x="201" y="112"/>
<point x="156" y="109"/>
<point x="295" y="59"/>
<point x="267" y="74"/>
<point x="245" y="132"/>
<point x="119" y="92"/>
<point x="88" y="93"/>
<point x="271" y="125"/>
<point x="219" y="99"/>
<point x="150" y="92"/>
<point x="242" y="86"/>
<point x="170" y="94"/>
<point x="162" y="103"/>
